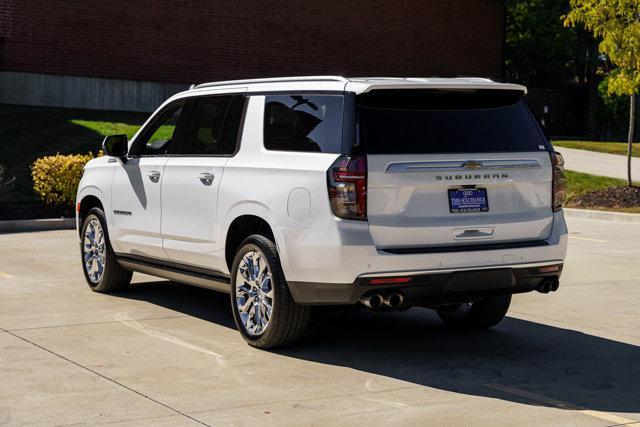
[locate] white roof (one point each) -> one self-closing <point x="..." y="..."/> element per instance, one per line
<point x="348" y="84"/>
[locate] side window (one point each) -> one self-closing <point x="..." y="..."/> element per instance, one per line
<point x="303" y="123"/>
<point x="204" y="132"/>
<point x="161" y="135"/>
<point x="214" y="125"/>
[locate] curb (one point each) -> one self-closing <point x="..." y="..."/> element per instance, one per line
<point x="602" y="215"/>
<point x="22" y="225"/>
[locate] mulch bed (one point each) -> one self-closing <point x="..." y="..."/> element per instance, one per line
<point x="33" y="210"/>
<point x="616" y="197"/>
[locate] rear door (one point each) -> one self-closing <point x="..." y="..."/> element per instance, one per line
<point x="450" y="168"/>
<point x="192" y="179"/>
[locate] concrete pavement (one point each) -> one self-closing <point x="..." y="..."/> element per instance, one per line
<point x="603" y="164"/>
<point x="168" y="354"/>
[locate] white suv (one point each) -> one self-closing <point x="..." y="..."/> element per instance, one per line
<point x="384" y="193"/>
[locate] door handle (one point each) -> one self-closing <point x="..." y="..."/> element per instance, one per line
<point x="154" y="176"/>
<point x="206" y="178"/>
<point x="474" y="233"/>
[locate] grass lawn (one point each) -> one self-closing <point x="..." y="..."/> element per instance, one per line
<point x="27" y="133"/>
<point x="581" y="183"/>
<point x="601" y="147"/>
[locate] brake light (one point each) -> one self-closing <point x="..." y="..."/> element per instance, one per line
<point x="559" y="181"/>
<point x="347" y="185"/>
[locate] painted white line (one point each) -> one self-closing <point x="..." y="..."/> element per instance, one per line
<point x="588" y="239"/>
<point x="391" y="403"/>
<point x="6" y="275"/>
<point x="127" y="321"/>
<point x="560" y="404"/>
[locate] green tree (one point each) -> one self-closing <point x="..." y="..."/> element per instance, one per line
<point x="617" y="24"/>
<point x="540" y="51"/>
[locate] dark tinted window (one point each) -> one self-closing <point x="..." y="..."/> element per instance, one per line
<point x="158" y="139"/>
<point x="425" y="122"/>
<point x="203" y="135"/>
<point x="303" y="123"/>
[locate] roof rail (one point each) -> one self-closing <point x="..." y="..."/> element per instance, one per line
<point x="482" y="79"/>
<point x="273" y="80"/>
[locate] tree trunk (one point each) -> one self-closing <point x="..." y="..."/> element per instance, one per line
<point x="632" y="121"/>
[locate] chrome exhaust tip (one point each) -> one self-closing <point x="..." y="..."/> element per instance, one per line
<point x="393" y="300"/>
<point x="373" y="302"/>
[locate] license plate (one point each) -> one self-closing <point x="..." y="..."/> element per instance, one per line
<point x="467" y="200"/>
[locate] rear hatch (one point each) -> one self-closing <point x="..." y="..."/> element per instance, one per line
<point x="452" y="167"/>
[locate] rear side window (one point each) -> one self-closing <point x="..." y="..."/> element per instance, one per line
<point x="213" y="127"/>
<point x="303" y="123"/>
<point x="430" y="122"/>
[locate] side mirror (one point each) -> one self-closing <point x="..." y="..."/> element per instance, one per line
<point x="116" y="146"/>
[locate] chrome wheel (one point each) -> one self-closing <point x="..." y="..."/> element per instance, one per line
<point x="94" y="251"/>
<point x="254" y="293"/>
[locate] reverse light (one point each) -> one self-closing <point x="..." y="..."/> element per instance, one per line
<point x="347" y="185"/>
<point x="559" y="182"/>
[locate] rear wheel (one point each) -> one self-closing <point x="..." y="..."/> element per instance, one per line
<point x="101" y="270"/>
<point x="481" y="314"/>
<point x="264" y="310"/>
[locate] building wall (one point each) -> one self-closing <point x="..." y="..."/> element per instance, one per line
<point x="190" y="41"/>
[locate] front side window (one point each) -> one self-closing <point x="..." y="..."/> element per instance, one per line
<point x="162" y="133"/>
<point x="303" y="123"/>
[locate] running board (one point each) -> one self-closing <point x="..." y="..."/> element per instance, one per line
<point x="179" y="273"/>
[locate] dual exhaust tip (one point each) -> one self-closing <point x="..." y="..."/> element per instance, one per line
<point x="377" y="301"/>
<point x="548" y="285"/>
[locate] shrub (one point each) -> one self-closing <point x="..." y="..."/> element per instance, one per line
<point x="6" y="181"/>
<point x="56" y="178"/>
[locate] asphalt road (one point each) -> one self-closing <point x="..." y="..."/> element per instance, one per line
<point x="168" y="354"/>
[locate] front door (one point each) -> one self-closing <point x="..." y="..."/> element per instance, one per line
<point x="192" y="179"/>
<point x="136" y="187"/>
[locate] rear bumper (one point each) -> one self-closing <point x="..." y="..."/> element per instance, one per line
<point x="326" y="265"/>
<point x="432" y="288"/>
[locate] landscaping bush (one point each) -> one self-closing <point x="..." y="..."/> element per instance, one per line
<point x="56" y="178"/>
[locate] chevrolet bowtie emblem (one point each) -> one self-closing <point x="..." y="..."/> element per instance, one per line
<point x="472" y="164"/>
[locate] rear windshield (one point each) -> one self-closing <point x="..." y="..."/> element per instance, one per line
<point x="435" y="121"/>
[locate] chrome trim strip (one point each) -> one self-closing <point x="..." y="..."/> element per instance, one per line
<point x="452" y="270"/>
<point x="461" y="165"/>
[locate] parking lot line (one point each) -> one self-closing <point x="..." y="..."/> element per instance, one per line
<point x="560" y="404"/>
<point x="588" y="239"/>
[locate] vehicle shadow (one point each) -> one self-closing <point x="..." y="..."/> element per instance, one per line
<point x="513" y="359"/>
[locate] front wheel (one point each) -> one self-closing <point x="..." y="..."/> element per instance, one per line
<point x="264" y="310"/>
<point x="481" y="314"/>
<point x="101" y="269"/>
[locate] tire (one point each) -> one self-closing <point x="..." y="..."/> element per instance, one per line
<point x="481" y="314"/>
<point x="113" y="277"/>
<point x="253" y="293"/>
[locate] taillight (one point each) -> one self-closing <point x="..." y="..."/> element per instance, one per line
<point x="347" y="182"/>
<point x="559" y="181"/>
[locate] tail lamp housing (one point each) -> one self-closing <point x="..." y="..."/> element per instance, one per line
<point x="559" y="183"/>
<point x="347" y="185"/>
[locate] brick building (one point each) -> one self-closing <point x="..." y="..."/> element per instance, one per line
<point x="128" y="54"/>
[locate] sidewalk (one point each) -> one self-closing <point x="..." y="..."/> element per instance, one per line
<point x="612" y="165"/>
